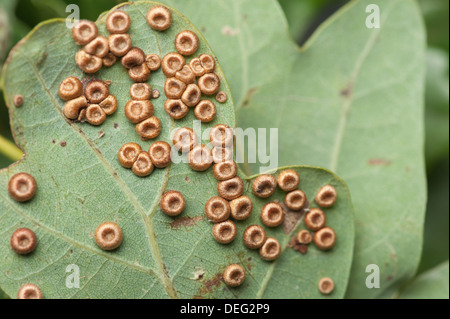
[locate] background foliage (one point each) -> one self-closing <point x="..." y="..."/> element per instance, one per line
<point x="304" y="16"/>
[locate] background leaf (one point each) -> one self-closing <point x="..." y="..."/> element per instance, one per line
<point x="305" y="16"/>
<point x="437" y="110"/>
<point x="10" y="28"/>
<point x="436" y="235"/>
<point x="302" y="19"/>
<point x="436" y="17"/>
<point x="81" y="184"/>
<point x="348" y="101"/>
<point x="432" y="284"/>
<point x="5" y="32"/>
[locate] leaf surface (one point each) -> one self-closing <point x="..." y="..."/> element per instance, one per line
<point x="81" y="184"/>
<point x="350" y="100"/>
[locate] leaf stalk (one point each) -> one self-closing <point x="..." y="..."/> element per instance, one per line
<point x="9" y="149"/>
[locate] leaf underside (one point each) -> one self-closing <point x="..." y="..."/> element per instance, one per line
<point x="350" y="100"/>
<point x="81" y="184"/>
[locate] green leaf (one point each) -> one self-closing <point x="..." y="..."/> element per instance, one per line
<point x="7" y="21"/>
<point x="351" y="100"/>
<point x="436" y="18"/>
<point x="303" y="15"/>
<point x="4" y="161"/>
<point x="7" y="30"/>
<point x="32" y="12"/>
<point x="436" y="232"/>
<point x="9" y="150"/>
<point x="298" y="15"/>
<point x="81" y="184"/>
<point x="4" y="34"/>
<point x="437" y="107"/>
<point x="430" y="285"/>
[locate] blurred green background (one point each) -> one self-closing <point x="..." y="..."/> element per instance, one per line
<point x="18" y="17"/>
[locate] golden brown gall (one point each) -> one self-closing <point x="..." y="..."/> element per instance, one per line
<point x="172" y="203"/>
<point x="159" y="18"/>
<point x="217" y="209"/>
<point x="108" y="236"/>
<point x="231" y="189"/>
<point x="22" y="187"/>
<point x="234" y="275"/>
<point x="23" y="241"/>
<point x="264" y="186"/>
<point x="254" y="236"/>
<point x="271" y="249"/>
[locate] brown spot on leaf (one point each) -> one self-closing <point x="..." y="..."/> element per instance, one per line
<point x="116" y="125"/>
<point x="187" y="179"/>
<point x="303" y="248"/>
<point x="379" y="162"/>
<point x="42" y="58"/>
<point x="249" y="97"/>
<point x="389" y="278"/>
<point x="212" y="284"/>
<point x="347" y="92"/>
<point x="292" y="218"/>
<point x="63" y="144"/>
<point x="294" y="244"/>
<point x="101" y="134"/>
<point x="185" y="221"/>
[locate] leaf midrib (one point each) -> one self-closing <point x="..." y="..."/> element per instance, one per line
<point x="348" y="102"/>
